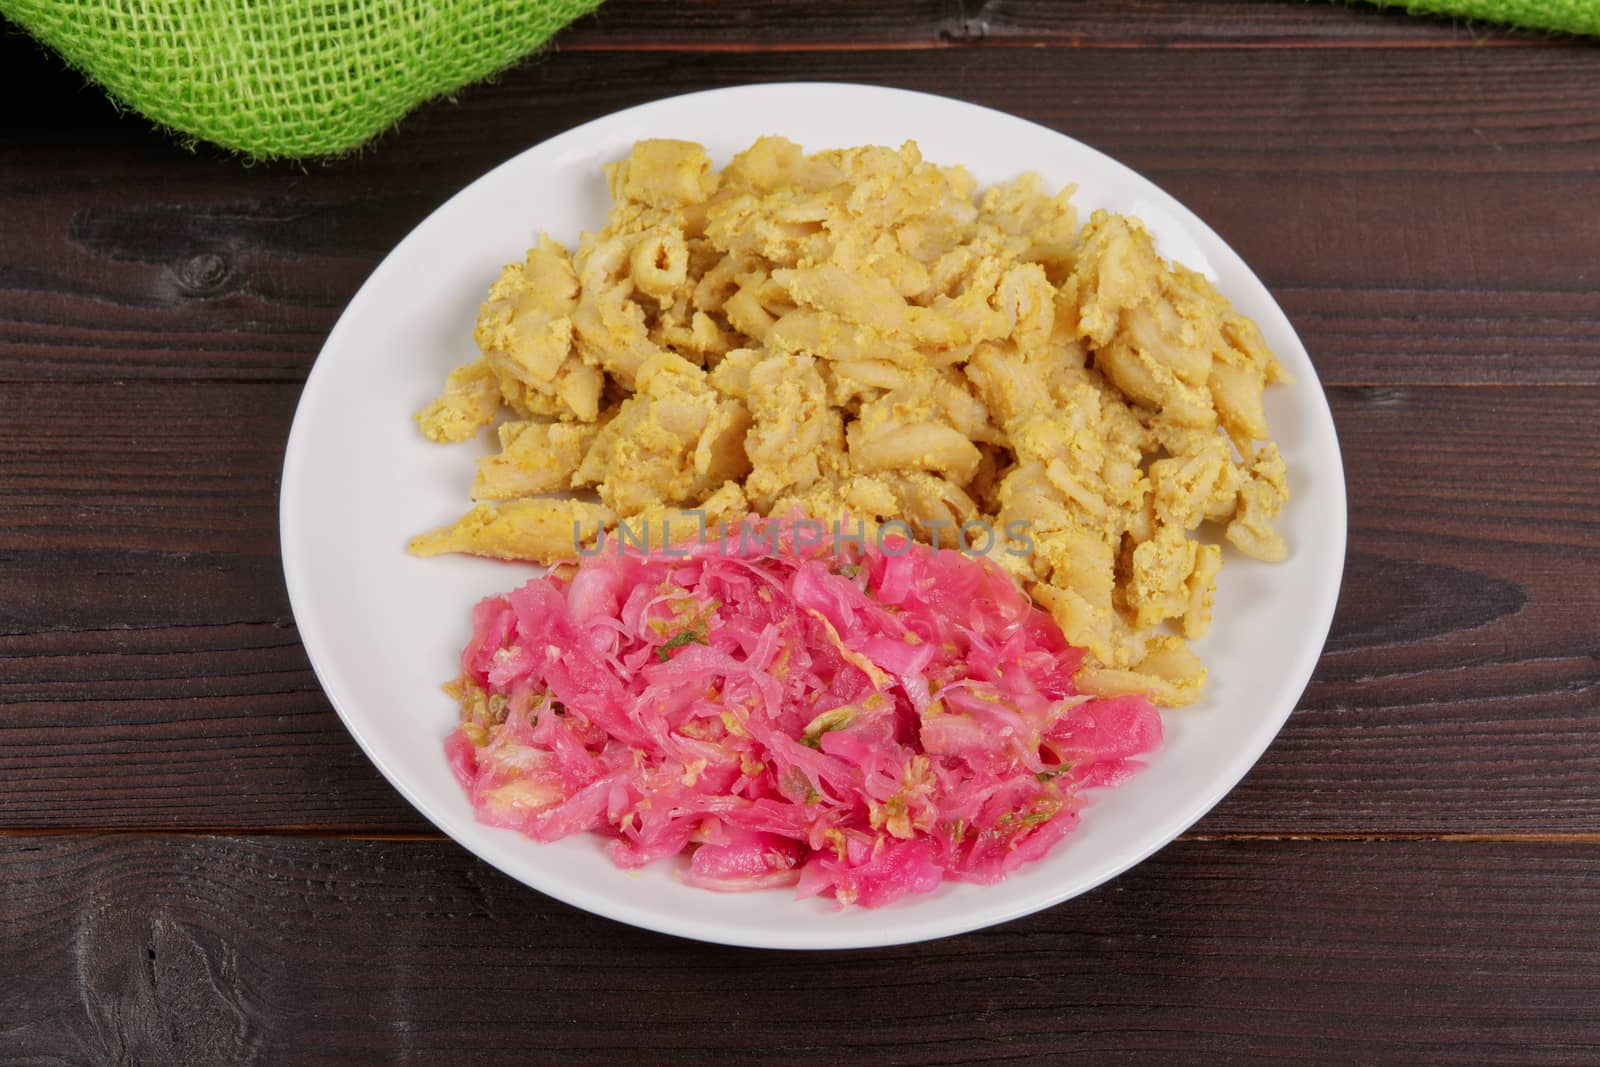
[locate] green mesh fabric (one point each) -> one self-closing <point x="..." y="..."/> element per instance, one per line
<point x="1562" y="16"/>
<point x="288" y="78"/>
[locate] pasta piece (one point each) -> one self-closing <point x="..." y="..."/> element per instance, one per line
<point x="525" y="333"/>
<point x="611" y="331"/>
<point x="671" y="442"/>
<point x="659" y="525"/>
<point x="534" y="457"/>
<point x="538" y="530"/>
<point x="793" y="431"/>
<point x="470" y="399"/>
<point x="1201" y="588"/>
<point x="1159" y="571"/>
<point x="1170" y="674"/>
<point x="1260" y="497"/>
<point x="886" y="444"/>
<point x="1240" y="373"/>
<point x="1027" y="300"/>
<point x="1194" y="484"/>
<point x="664" y="173"/>
<point x="659" y="263"/>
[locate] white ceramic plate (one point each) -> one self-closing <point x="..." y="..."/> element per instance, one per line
<point x="383" y="629"/>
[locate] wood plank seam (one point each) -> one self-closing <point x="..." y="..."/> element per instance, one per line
<point x="1055" y="41"/>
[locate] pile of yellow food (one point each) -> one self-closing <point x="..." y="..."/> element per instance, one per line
<point x="862" y="333"/>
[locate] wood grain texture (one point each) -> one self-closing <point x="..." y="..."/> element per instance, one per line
<point x="1462" y="663"/>
<point x="145" y="623"/>
<point x="180" y="951"/>
<point x="1420" y="221"/>
<point x="795" y="25"/>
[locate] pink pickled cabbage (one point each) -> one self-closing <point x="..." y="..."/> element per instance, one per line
<point x="859" y="725"/>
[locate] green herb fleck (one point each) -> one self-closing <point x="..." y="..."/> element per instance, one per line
<point x="1054" y="772"/>
<point x="683" y="637"/>
<point x="835" y="719"/>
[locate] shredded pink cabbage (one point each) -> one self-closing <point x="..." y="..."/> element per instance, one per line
<point x="860" y="725"/>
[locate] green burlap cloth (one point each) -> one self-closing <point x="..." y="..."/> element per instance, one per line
<point x="1560" y="16"/>
<point x="296" y="78"/>
<point x="276" y="78"/>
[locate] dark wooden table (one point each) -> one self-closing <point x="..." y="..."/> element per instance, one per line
<point x="198" y="865"/>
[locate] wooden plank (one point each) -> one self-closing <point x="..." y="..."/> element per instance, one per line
<point x="1423" y="223"/>
<point x="794" y="25"/>
<point x="173" y="726"/>
<point x="150" y="675"/>
<point x="207" y="950"/>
